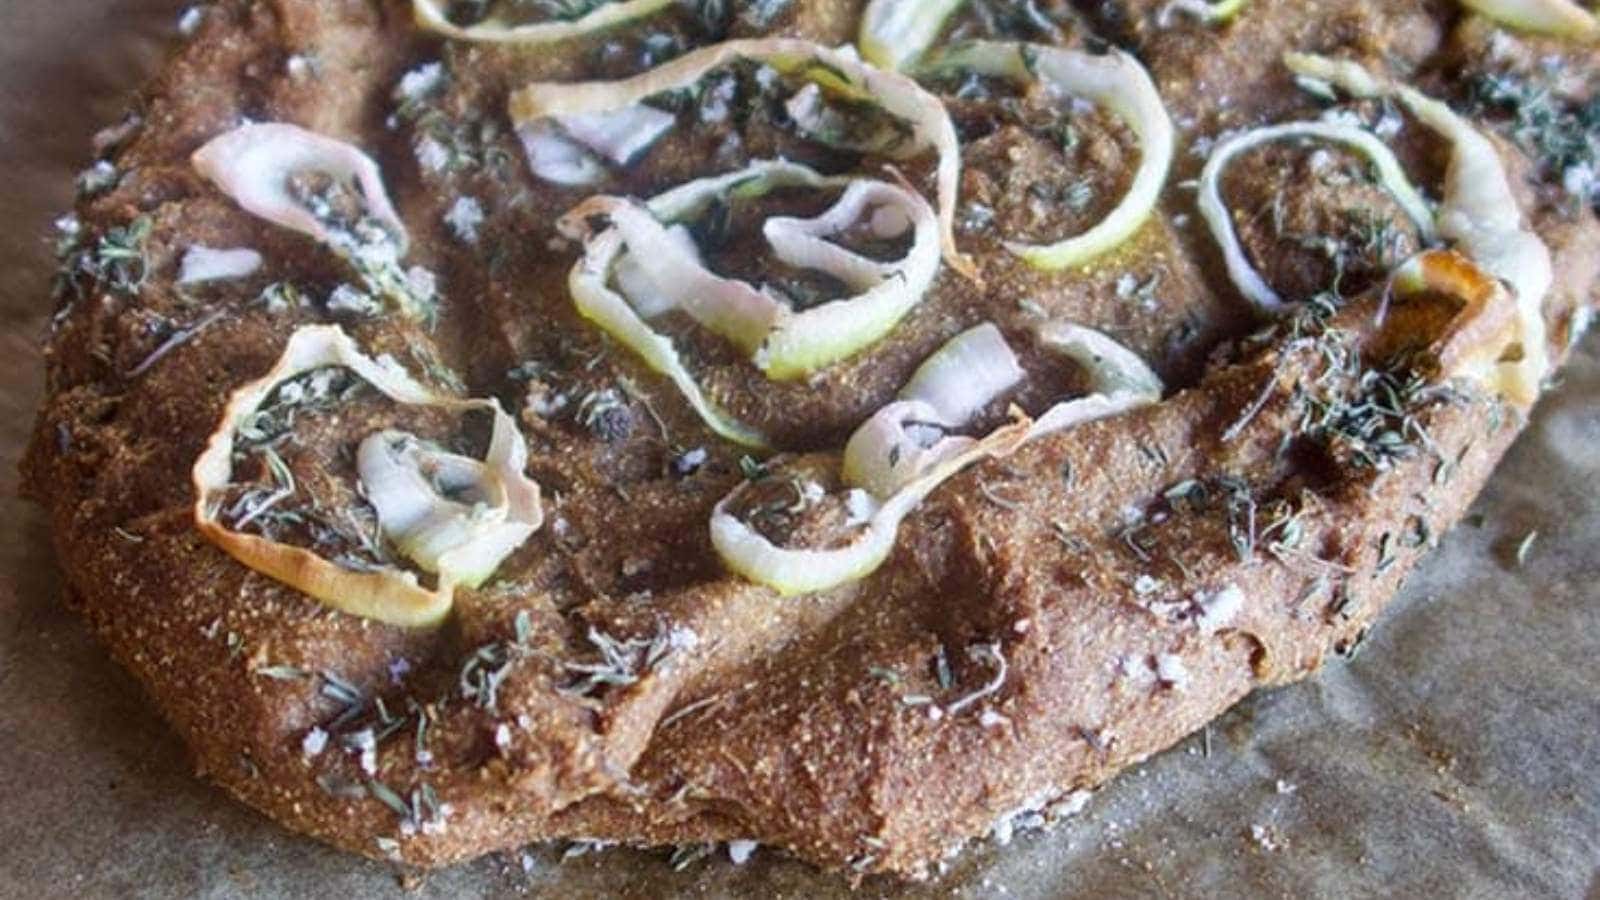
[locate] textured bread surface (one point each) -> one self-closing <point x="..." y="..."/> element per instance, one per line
<point x="858" y="729"/>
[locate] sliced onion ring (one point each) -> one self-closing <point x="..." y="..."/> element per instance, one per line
<point x="1215" y="211"/>
<point x="512" y="509"/>
<point x="896" y="446"/>
<point x="1116" y="81"/>
<point x="968" y="372"/>
<point x="1486" y="322"/>
<point x="783" y="343"/>
<point x="749" y="554"/>
<point x="253" y="164"/>
<point x="605" y="249"/>
<point x="803" y="342"/>
<point x="430" y="15"/>
<point x="1211" y="13"/>
<point x="1120" y="380"/>
<point x="1479" y="213"/>
<point x="931" y="127"/>
<point x="728" y="307"/>
<point x="896" y="33"/>
<point x="904" y="439"/>
<point x="1561" y="18"/>
<point x="462" y="542"/>
<point x="597" y="302"/>
<point x="562" y="149"/>
<point x="896" y="484"/>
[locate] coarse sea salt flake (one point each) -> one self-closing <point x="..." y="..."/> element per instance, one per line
<point x="1218" y="610"/>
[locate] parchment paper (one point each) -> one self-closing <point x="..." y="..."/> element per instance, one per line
<point x="1457" y="756"/>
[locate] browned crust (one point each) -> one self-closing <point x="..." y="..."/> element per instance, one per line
<point x="775" y="726"/>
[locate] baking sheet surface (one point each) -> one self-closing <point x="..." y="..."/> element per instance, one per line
<point x="1457" y="755"/>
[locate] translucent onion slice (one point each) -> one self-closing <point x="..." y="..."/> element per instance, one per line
<point x="1561" y="18"/>
<point x="1120" y="380"/>
<point x="691" y="199"/>
<point x="556" y="158"/>
<point x="622" y="135"/>
<point x="897" y="445"/>
<point x="509" y="511"/>
<point x="803" y="342"/>
<point x="450" y="514"/>
<point x="966" y="374"/>
<point x="1472" y="343"/>
<point x="253" y="164"/>
<point x="748" y="553"/>
<point x="1116" y="81"/>
<point x="645" y="292"/>
<point x="783" y="343"/>
<point x="1211" y="13"/>
<point x="430" y="14"/>
<point x="728" y="307"/>
<point x="1479" y="213"/>
<point x="907" y="437"/>
<point x="562" y="149"/>
<point x="900" y="455"/>
<point x="1215" y="211"/>
<point x="841" y="71"/>
<point x="896" y="33"/>
<point x="589" y="284"/>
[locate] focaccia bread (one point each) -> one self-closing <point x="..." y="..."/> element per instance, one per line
<point x="844" y="427"/>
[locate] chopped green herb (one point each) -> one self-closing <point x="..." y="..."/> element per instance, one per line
<point x="753" y="469"/>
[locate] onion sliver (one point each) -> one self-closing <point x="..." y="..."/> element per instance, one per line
<point x="661" y="273"/>
<point x="1215" y="211"/>
<point x="1116" y="81"/>
<point x="929" y="121"/>
<point x="510" y="505"/>
<point x="748" y="553"/>
<point x="597" y="302"/>
<point x="622" y="135"/>
<point x="1472" y="343"/>
<point x="802" y="342"/>
<point x="1120" y="380"/>
<point x="897" y="467"/>
<point x="907" y="437"/>
<point x="561" y="149"/>
<point x="896" y="446"/>
<point x="644" y="292"/>
<point x="896" y="33"/>
<point x="1561" y="18"/>
<point x="411" y="486"/>
<point x="967" y="373"/>
<point x="1212" y="13"/>
<point x="254" y="163"/>
<point x="1479" y="213"/>
<point x="430" y="15"/>
<point x="729" y="307"/>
